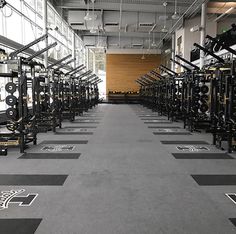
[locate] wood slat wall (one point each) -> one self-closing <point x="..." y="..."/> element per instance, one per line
<point x="123" y="69"/>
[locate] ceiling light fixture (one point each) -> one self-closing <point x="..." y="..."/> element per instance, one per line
<point x="164" y="29"/>
<point x="143" y="56"/>
<point x="93" y="30"/>
<point x="175" y="16"/>
<point x="153" y="40"/>
<point x="88" y="17"/>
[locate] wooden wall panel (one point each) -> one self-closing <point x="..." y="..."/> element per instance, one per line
<point x="123" y="69"/>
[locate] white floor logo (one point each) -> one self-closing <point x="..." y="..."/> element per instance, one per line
<point x="12" y="196"/>
<point x="58" y="148"/>
<point x="192" y="148"/>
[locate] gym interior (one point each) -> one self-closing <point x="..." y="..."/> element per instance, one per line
<point x="117" y="117"/>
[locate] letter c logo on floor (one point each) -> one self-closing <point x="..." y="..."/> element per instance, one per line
<point x="12" y="196"/>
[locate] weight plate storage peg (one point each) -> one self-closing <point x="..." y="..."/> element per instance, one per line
<point x="197" y="89"/>
<point x="11" y="113"/>
<point x="197" y="96"/>
<point x="10" y="87"/>
<point x="11" y="100"/>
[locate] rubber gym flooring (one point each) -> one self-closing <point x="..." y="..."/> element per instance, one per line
<point x="119" y="169"/>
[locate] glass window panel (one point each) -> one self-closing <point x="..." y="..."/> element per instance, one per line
<point x="70" y="35"/>
<point x="29" y="32"/>
<point x="29" y="13"/>
<point x="15" y="34"/>
<point x="51" y="16"/>
<point x="1" y="24"/>
<point x="39" y="7"/>
<point x="39" y="21"/>
<point x="31" y="3"/>
<point x="15" y="3"/>
<point x="64" y="29"/>
<point x="58" y="22"/>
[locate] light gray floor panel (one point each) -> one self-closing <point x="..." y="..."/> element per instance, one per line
<point x="125" y="181"/>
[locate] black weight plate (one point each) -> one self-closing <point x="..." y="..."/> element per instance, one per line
<point x="197" y="89"/>
<point x="11" y="113"/>
<point x="204" y="89"/>
<point x="11" y="100"/>
<point x="204" y="98"/>
<point x="10" y="87"/>
<point x="204" y="108"/>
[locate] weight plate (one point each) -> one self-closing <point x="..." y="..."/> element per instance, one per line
<point x="204" y="108"/>
<point x="11" y="100"/>
<point x="204" y="98"/>
<point x="197" y="89"/>
<point x="10" y="87"/>
<point x="204" y="89"/>
<point x="11" y="113"/>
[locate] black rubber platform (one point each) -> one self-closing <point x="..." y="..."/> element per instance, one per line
<point x="32" y="180"/>
<point x="65" y="142"/>
<point x="85" y="122"/>
<point x="184" y="142"/>
<point x="19" y="226"/>
<point x="232" y="197"/>
<point x="172" y="133"/>
<point x="67" y="127"/>
<point x="159" y="122"/>
<point x="87" y="118"/>
<point x="147" y="116"/>
<point x="150" y="119"/>
<point x="73" y="133"/>
<point x="164" y="127"/>
<point x="215" y="180"/>
<point x="202" y="156"/>
<point x="50" y="155"/>
<point x="233" y="221"/>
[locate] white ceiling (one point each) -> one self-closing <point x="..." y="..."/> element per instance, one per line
<point x="123" y="22"/>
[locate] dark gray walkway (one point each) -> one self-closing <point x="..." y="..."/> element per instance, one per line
<point x="124" y="182"/>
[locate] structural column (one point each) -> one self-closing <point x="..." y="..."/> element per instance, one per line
<point x="73" y="49"/>
<point x="203" y="34"/>
<point x="45" y="29"/>
<point x="173" y="52"/>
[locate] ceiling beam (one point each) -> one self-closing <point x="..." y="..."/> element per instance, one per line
<point x="157" y="8"/>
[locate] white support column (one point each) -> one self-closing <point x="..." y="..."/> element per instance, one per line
<point x="173" y="52"/>
<point x="73" y="49"/>
<point x="45" y="29"/>
<point x="203" y="34"/>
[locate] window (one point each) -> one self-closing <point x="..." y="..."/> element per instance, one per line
<point x="28" y="15"/>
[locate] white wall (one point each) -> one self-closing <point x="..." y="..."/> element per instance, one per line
<point x="188" y="38"/>
<point x="194" y="37"/>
